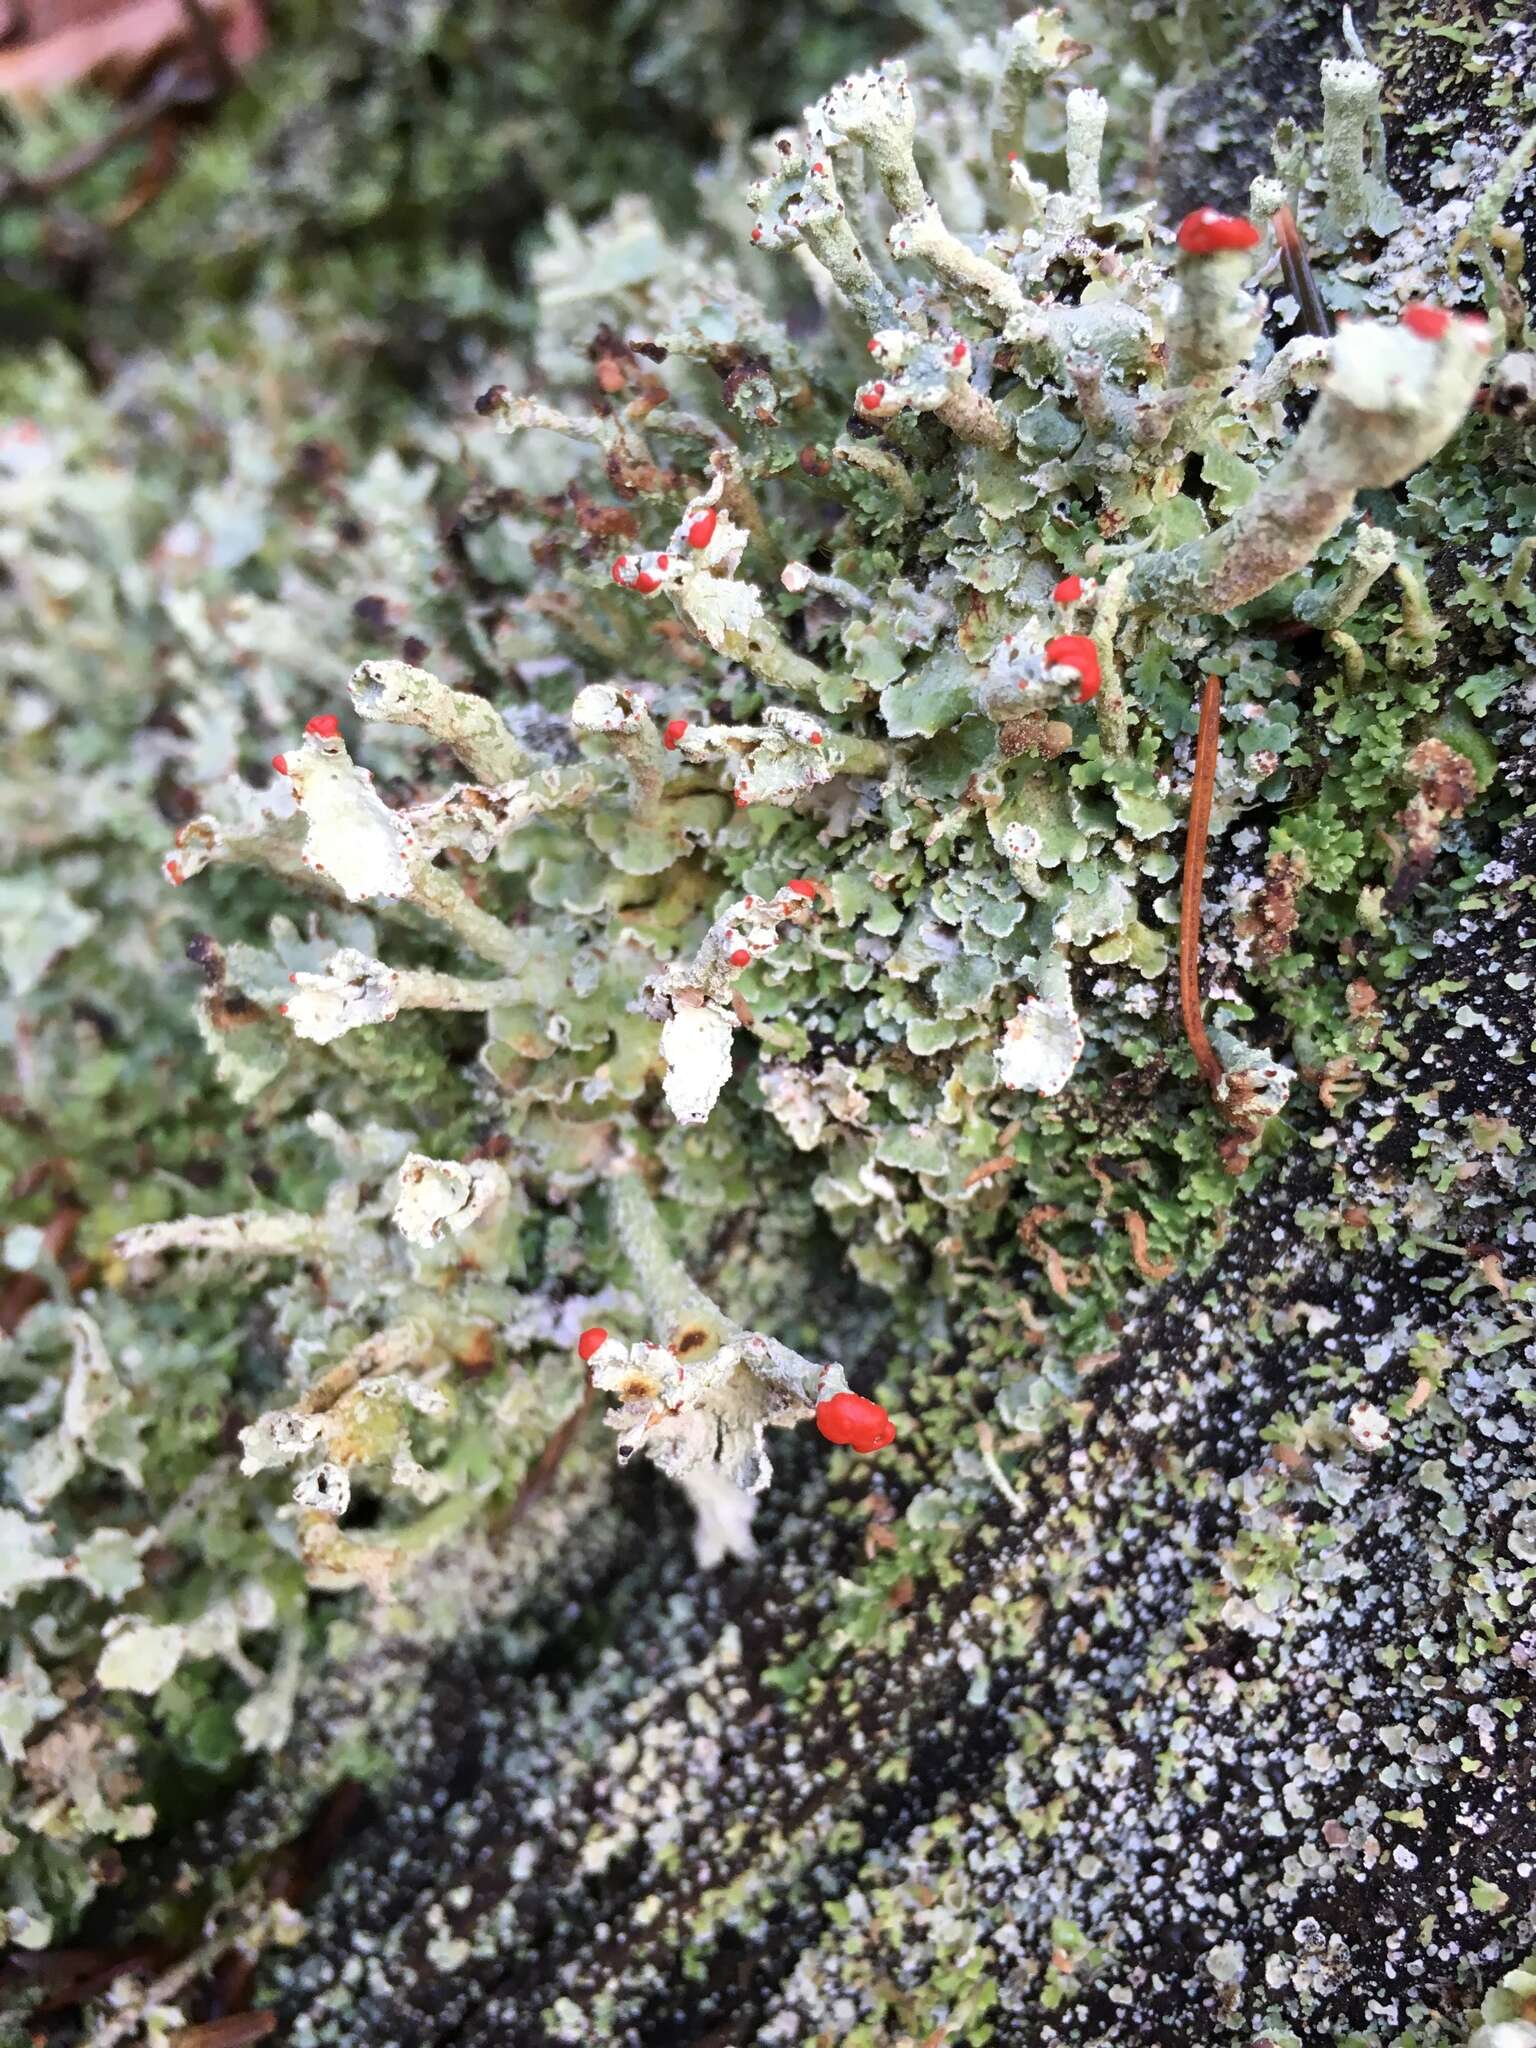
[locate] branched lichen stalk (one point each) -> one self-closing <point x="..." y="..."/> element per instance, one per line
<point x="1392" y="399"/>
<point x="472" y="728"/>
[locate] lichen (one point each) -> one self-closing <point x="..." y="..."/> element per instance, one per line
<point x="821" y="622"/>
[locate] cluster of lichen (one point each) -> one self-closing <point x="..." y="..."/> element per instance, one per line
<point x="245" y="508"/>
<point x="789" y="623"/>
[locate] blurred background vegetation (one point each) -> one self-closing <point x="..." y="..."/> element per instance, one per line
<point x="395" y="151"/>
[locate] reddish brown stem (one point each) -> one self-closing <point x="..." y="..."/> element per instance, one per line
<point x="549" y="1462"/>
<point x="236" y="2030"/>
<point x="162" y="93"/>
<point x="209" y="39"/>
<point x="155" y="175"/>
<point x="1298" y="274"/>
<point x="1201" y="791"/>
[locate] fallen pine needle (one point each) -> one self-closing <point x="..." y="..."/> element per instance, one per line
<point x="1201" y="792"/>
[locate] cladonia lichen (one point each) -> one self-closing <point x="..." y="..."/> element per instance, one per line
<point x="678" y="844"/>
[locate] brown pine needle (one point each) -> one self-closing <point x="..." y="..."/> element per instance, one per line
<point x="234" y="2030"/>
<point x="1136" y="1230"/>
<point x="1298" y="274"/>
<point x="1201" y="791"/>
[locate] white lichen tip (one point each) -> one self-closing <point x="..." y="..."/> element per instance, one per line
<point x="787" y="757"/>
<point x="359" y="1414"/>
<point x="694" y="997"/>
<point x="683" y="571"/>
<point x="354" y="839"/>
<point x="1425" y="369"/>
<point x="350" y="991"/>
<point x="918" y="379"/>
<point x="804" y="1101"/>
<point x="1354" y="78"/>
<point x="724" y="609"/>
<point x="277" y="1438"/>
<point x="438" y="1196"/>
<point x="705" y="1416"/>
<point x="696" y="1052"/>
<point x="326" y="1489"/>
<point x="798" y="204"/>
<point x="1087" y="113"/>
<point x="602" y="708"/>
<point x="723" y="1514"/>
<point x="199" y="843"/>
<point x="798" y="577"/>
<point x="894" y="347"/>
<point x="1260" y="1085"/>
<point x="871" y="107"/>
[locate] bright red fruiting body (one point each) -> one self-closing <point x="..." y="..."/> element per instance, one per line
<point x="675" y="728"/>
<point x="757" y="234"/>
<point x="874" y="346"/>
<point x="1076" y="650"/>
<point x="803" y="887"/>
<point x="1068" y="590"/>
<point x="590" y="1341"/>
<point x="1205" y="232"/>
<point x="280" y="763"/>
<point x="645" y="583"/>
<point x="702" y="531"/>
<point x="819" y="169"/>
<point x="849" y="1419"/>
<point x="1429" y="323"/>
<point x="870" y="399"/>
<point x="617" y="571"/>
<point x="325" y="727"/>
<point x="741" y="957"/>
<point x="957" y="353"/>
